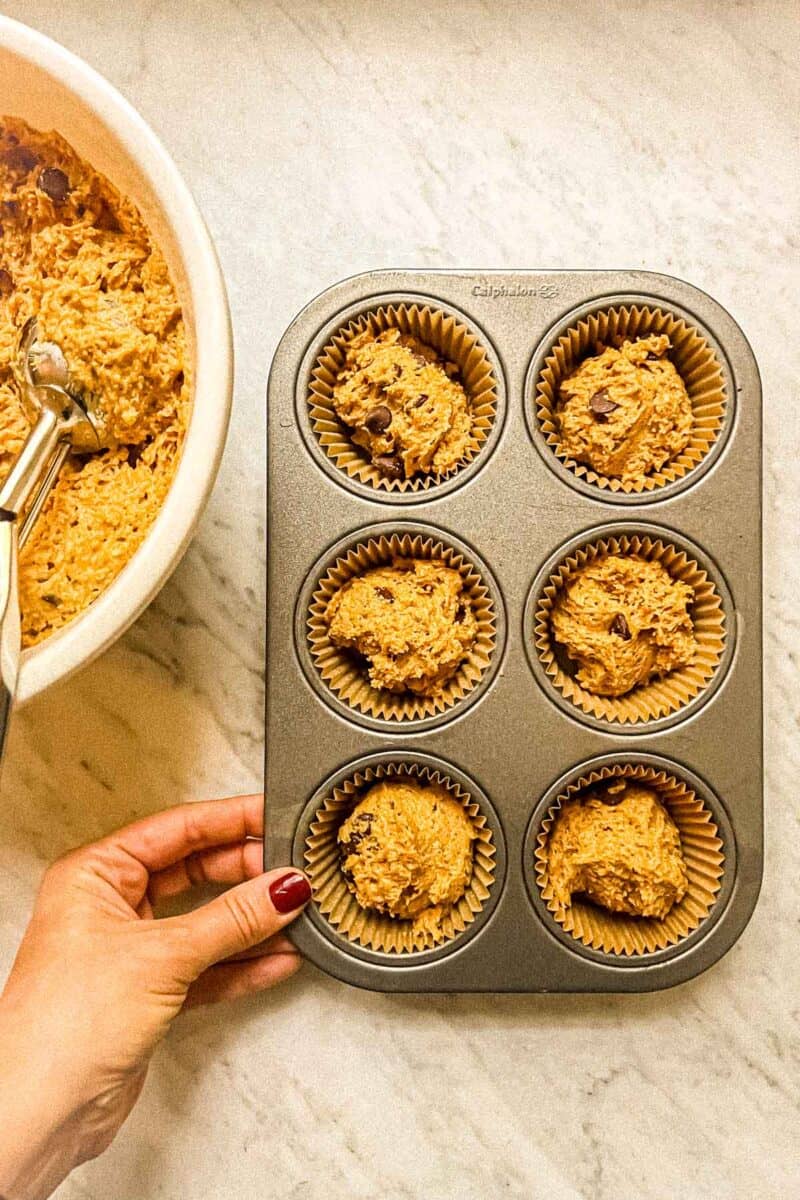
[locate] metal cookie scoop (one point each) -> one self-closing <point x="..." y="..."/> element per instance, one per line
<point x="60" y="420"/>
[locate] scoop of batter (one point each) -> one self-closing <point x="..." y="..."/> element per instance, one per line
<point x="404" y="404"/>
<point x="406" y="850"/>
<point x="620" y="847"/>
<point x="74" y="253"/>
<point x="626" y="621"/>
<point x="625" y="412"/>
<point x="411" y="621"/>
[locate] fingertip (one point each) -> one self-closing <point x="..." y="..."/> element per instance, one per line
<point x="287" y="869"/>
<point x="289" y="890"/>
<point x="253" y="858"/>
<point x="290" y="964"/>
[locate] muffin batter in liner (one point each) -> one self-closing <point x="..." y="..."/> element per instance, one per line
<point x="341" y="671"/>
<point x="659" y="697"/>
<point x="617" y="933"/>
<point x="691" y="355"/>
<point x="337" y="903"/>
<point x="453" y="342"/>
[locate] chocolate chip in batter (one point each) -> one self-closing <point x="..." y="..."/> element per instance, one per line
<point x="379" y="420"/>
<point x="601" y="405"/>
<point x="390" y="465"/>
<point x="619" y="626"/>
<point x="106" y="219"/>
<point x="385" y="594"/>
<point x="20" y="158"/>
<point x="357" y="835"/>
<point x="611" y="794"/>
<point x="6" y="282"/>
<point x="54" y="183"/>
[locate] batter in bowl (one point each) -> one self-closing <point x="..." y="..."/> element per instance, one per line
<point x="76" y="254"/>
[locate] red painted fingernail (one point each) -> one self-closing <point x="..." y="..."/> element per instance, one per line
<point x="290" y="892"/>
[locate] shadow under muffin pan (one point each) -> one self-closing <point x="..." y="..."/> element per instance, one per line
<point x="516" y="509"/>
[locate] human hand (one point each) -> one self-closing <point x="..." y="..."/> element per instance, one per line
<point x="97" y="980"/>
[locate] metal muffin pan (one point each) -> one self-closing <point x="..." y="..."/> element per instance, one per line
<point x="515" y="507"/>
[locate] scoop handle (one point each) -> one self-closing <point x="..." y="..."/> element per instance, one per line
<point x="31" y="462"/>
<point x="45" y="487"/>
<point x="16" y="490"/>
<point x="9" y="621"/>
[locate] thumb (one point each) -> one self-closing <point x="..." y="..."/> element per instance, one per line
<point x="245" y="915"/>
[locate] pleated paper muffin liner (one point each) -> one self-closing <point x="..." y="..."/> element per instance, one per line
<point x="690" y="353"/>
<point x="619" y="934"/>
<point x="453" y="341"/>
<point x="347" y="677"/>
<point x="371" y="929"/>
<point x="660" y="697"/>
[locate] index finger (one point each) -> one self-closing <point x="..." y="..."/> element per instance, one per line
<point x="167" y="837"/>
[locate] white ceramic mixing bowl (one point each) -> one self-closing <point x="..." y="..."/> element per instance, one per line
<point x="52" y="89"/>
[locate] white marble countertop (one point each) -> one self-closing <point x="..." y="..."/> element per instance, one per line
<point x="323" y="139"/>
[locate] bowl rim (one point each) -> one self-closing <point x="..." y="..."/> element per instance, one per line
<point x="89" y="634"/>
